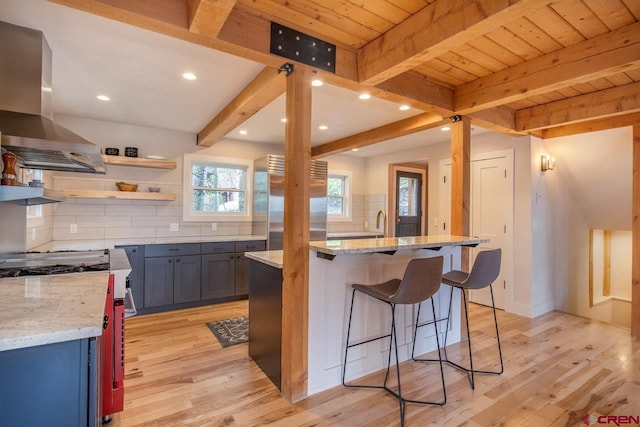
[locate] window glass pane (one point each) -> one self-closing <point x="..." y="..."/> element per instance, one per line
<point x="335" y="205"/>
<point x="218" y="201"/>
<point x="335" y="186"/>
<point x="408" y="196"/>
<point x="213" y="176"/>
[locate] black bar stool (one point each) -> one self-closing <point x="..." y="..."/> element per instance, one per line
<point x="420" y="282"/>
<point x="484" y="272"/>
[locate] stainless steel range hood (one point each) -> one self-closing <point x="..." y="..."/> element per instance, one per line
<point x="25" y="108"/>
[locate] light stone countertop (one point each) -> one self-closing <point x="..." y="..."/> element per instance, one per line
<point x="354" y="234"/>
<point x="272" y="258"/>
<point x="363" y="246"/>
<point x="38" y="310"/>
<point x="87" y="245"/>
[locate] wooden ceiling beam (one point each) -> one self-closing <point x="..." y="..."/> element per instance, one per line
<point x="589" y="126"/>
<point x="610" y="53"/>
<point x="247" y="36"/>
<point x="263" y="89"/>
<point x="434" y="30"/>
<point x="605" y="103"/>
<point x="383" y="133"/>
<point x="207" y="17"/>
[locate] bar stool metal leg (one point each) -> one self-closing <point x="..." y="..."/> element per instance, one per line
<point x="470" y="371"/>
<point x="393" y="348"/>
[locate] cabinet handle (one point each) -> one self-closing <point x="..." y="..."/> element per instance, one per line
<point x="177" y="259"/>
<point x="169" y="261"/>
<point x="133" y="250"/>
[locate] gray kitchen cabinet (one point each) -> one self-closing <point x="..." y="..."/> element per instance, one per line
<point x="190" y="274"/>
<point x="242" y="263"/>
<point x="136" y="277"/>
<point x="158" y="281"/>
<point x="186" y="278"/>
<point x="218" y="275"/>
<point x="51" y="385"/>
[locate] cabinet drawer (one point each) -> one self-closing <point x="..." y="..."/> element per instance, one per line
<point x="172" y="249"/>
<point x="218" y="247"/>
<point x="251" y="245"/>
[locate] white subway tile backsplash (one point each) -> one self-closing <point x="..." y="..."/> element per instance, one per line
<point x="103" y="221"/>
<point x="183" y="232"/>
<point x="133" y="232"/>
<point x="65" y="209"/>
<point x="130" y="210"/>
<point x="154" y="221"/>
<point x="62" y="233"/>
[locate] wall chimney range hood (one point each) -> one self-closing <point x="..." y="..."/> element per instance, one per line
<point x="25" y="108"/>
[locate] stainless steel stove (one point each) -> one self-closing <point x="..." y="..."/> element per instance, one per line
<point x="41" y="264"/>
<point x="46" y="263"/>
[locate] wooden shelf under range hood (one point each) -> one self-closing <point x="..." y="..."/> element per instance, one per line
<point x="124" y="195"/>
<point x="138" y="162"/>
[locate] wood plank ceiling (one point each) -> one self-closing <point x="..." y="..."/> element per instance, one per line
<point x="542" y="67"/>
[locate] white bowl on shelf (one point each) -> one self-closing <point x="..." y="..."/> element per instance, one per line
<point x="154" y="189"/>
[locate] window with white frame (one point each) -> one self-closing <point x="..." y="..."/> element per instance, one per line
<point x="338" y="196"/>
<point x="216" y="188"/>
<point x="34" y="212"/>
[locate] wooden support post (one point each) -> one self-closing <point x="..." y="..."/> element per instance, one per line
<point x="635" y="252"/>
<point x="606" y="263"/>
<point x="295" y="272"/>
<point x="461" y="182"/>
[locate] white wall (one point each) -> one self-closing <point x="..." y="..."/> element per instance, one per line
<point x="118" y="219"/>
<point x="377" y="178"/>
<point x="589" y="189"/>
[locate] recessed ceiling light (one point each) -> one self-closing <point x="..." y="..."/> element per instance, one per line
<point x="103" y="97"/>
<point x="189" y="76"/>
<point x="317" y="82"/>
<point x="445" y="128"/>
<point x="364" y="96"/>
<point x="404" y="107"/>
<point x="355" y="149"/>
<point x="243" y="132"/>
<point x="323" y="127"/>
<point x="283" y="120"/>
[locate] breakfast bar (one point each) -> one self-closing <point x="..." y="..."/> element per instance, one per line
<point x="333" y="267"/>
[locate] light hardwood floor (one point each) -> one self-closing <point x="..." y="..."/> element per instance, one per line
<point x="558" y="368"/>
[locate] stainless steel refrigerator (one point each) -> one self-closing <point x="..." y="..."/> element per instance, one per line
<point x="268" y="200"/>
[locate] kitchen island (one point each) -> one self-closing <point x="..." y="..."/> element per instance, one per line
<point x="48" y="348"/>
<point x="333" y="267"/>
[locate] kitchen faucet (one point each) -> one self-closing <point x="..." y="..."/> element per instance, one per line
<point x="384" y="215"/>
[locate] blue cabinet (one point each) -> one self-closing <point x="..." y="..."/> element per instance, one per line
<point x="51" y="385"/>
<point x="173" y="276"/>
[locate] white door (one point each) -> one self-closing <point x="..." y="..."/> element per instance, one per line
<point x="491" y="215"/>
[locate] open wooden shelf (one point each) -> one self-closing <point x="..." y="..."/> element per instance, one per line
<point x="138" y="162"/>
<point x="125" y="195"/>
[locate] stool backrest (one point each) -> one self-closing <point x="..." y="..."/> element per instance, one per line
<point x="420" y="281"/>
<point x="485" y="270"/>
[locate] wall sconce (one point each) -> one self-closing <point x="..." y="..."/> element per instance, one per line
<point x="547" y="163"/>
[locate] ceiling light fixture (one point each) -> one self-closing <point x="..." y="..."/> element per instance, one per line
<point x="355" y="149"/>
<point x="189" y="76"/>
<point x="445" y="128"/>
<point x="404" y="107"/>
<point x="103" y="97"/>
<point x="317" y="82"/>
<point x="283" y="120"/>
<point x="364" y="96"/>
<point x="323" y="127"/>
<point x="243" y="132"/>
